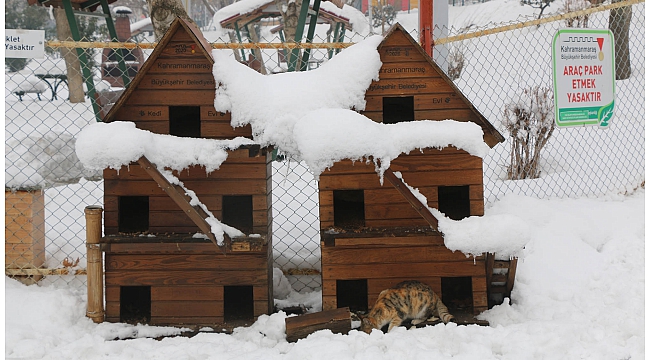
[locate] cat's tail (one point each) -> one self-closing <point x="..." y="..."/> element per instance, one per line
<point x="447" y="317"/>
<point x="443" y="312"/>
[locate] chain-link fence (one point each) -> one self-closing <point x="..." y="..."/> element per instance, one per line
<point x="46" y="189"/>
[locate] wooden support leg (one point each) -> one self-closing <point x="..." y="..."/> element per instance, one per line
<point x="95" y="309"/>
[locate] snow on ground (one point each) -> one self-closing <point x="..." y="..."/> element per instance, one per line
<point x="579" y="294"/>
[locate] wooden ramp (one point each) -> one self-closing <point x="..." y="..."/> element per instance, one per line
<point x="500" y="278"/>
<point x="180" y="197"/>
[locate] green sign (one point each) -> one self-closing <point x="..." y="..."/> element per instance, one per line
<point x="583" y="77"/>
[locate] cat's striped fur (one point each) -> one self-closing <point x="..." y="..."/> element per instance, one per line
<point x="412" y="300"/>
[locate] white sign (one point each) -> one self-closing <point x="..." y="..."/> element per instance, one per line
<point x="583" y="77"/>
<point x="27" y="44"/>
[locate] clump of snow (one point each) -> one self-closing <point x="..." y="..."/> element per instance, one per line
<point x="285" y="296"/>
<point x="267" y="332"/>
<point x="272" y="104"/>
<point x="310" y="300"/>
<point x="281" y="285"/>
<point x="328" y="135"/>
<point x="504" y="235"/>
<point x="111" y="145"/>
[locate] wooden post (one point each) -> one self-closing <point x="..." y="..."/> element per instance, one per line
<point x="426" y="26"/>
<point x="95" y="277"/>
<point x="512" y="270"/>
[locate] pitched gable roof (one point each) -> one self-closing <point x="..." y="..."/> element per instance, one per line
<point x="177" y="26"/>
<point x="397" y="36"/>
<point x="245" y="12"/>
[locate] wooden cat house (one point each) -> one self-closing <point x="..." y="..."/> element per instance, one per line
<point x="156" y="269"/>
<point x="373" y="236"/>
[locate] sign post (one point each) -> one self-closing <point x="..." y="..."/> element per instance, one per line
<point x="583" y="77"/>
<point x="25" y="44"/>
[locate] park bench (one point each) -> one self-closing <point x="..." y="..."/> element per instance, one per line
<point x="21" y="93"/>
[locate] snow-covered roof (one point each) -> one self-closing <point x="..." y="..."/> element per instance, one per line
<point x="239" y="8"/>
<point x="248" y="10"/>
<point x="357" y="19"/>
<point x="310" y="115"/>
<point x="122" y="10"/>
<point x="111" y="145"/>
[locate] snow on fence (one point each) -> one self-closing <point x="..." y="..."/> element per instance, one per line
<point x="46" y="188"/>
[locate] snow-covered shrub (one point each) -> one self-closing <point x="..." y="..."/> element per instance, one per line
<point x="456" y="60"/>
<point x="581" y="21"/>
<point x="530" y="121"/>
<point x="41" y="161"/>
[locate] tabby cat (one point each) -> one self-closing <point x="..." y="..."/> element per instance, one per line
<point x="407" y="300"/>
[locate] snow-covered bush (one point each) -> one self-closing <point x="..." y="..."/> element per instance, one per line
<point x="530" y="121"/>
<point x="456" y="60"/>
<point x="581" y="21"/>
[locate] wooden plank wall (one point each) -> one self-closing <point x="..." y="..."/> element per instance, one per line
<point x="406" y="72"/>
<point x="238" y="175"/>
<point x="384" y="262"/>
<point x="188" y="288"/>
<point x="178" y="77"/>
<point x="385" y="206"/>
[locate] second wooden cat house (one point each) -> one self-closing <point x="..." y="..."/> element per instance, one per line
<point x="372" y="237"/>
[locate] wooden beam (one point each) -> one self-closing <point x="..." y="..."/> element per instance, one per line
<point x="512" y="270"/>
<point x="177" y="193"/>
<point x="337" y="320"/>
<point x="489" y="269"/>
<point x="408" y="195"/>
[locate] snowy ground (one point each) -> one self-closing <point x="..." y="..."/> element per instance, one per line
<point x="579" y="294"/>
